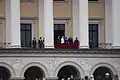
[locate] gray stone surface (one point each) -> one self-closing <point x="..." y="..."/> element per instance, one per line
<point x="51" y="61"/>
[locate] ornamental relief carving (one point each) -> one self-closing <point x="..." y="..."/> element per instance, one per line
<point x="17" y="63"/>
<point x="50" y="64"/>
<point x="85" y="64"/>
<point x="117" y="65"/>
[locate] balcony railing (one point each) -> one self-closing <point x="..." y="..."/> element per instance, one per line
<point x="105" y="45"/>
<point x="99" y="46"/>
<point x="5" y="45"/>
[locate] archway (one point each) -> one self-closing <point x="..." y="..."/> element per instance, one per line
<point x="100" y="72"/>
<point x="34" y="73"/>
<point x="67" y="71"/>
<point x="4" y="73"/>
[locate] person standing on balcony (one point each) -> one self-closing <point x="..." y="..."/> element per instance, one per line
<point x="58" y="41"/>
<point x="62" y="40"/>
<point x="43" y="42"/>
<point x="70" y="40"/>
<point x="40" y="42"/>
<point x="34" y="42"/>
<point x="76" y="42"/>
<point x="66" y="40"/>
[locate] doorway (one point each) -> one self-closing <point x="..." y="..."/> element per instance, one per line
<point x="99" y="73"/>
<point x="59" y="30"/>
<point x="34" y="73"/>
<point x="4" y="73"/>
<point x="66" y="71"/>
<point x="26" y="34"/>
<point x="93" y="35"/>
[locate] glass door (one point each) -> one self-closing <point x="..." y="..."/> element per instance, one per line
<point x="26" y="34"/>
<point x="59" y="30"/>
<point x="93" y="35"/>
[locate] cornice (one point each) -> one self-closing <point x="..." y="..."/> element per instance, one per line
<point x="67" y="53"/>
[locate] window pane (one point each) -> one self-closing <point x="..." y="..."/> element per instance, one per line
<point x="62" y="26"/>
<point x="56" y="26"/>
<point x="28" y="26"/>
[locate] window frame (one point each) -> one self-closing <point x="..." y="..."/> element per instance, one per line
<point x="29" y="22"/>
<point x="99" y="28"/>
<point x="62" y="22"/>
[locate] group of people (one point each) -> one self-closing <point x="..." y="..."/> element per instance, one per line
<point x="107" y="77"/>
<point x="34" y="42"/>
<point x="65" y="40"/>
<point x="60" y="40"/>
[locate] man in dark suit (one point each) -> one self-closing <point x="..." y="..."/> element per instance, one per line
<point x="76" y="42"/>
<point x="34" y="42"/>
<point x="40" y="42"/>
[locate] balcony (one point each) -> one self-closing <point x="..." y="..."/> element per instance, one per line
<point x="72" y="46"/>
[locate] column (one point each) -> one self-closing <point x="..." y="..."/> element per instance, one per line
<point x="46" y="22"/>
<point x="116" y="23"/>
<point x="112" y="18"/>
<point x="12" y="14"/>
<point x="75" y="12"/>
<point x="80" y="22"/>
<point x="108" y="21"/>
<point x="41" y="18"/>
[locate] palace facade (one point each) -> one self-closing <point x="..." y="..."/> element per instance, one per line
<point x="95" y="21"/>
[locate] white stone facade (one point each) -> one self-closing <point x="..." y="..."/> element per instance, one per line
<point x="50" y="64"/>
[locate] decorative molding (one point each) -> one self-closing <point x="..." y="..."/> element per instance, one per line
<point x="65" y="53"/>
